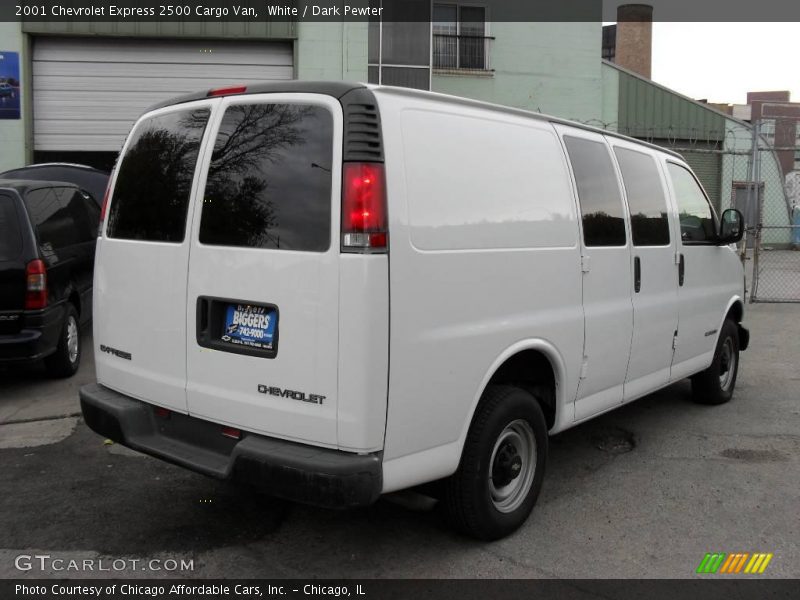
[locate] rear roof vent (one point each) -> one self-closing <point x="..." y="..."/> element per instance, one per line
<point x="362" y="127"/>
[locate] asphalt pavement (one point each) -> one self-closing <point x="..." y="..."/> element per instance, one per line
<point x="643" y="491"/>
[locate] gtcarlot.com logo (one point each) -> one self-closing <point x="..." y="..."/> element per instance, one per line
<point x="48" y="562"/>
<point x="735" y="563"/>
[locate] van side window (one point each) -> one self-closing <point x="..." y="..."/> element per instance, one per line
<point x="269" y="181"/>
<point x="84" y="213"/>
<point x="598" y="192"/>
<point x="151" y="194"/>
<point x="10" y="237"/>
<point x="51" y="218"/>
<point x="646" y="199"/>
<point x="695" y="213"/>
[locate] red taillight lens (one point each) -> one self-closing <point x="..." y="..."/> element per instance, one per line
<point x="227" y="91"/>
<point x="162" y="412"/>
<point x="104" y="208"/>
<point x="36" y="285"/>
<point x="364" y="220"/>
<point x="231" y="432"/>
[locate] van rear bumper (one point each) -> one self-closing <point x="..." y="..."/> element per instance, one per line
<point x="289" y="470"/>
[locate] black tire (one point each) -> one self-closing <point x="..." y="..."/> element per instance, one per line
<point x="66" y="360"/>
<point x="473" y="500"/>
<point x="715" y="385"/>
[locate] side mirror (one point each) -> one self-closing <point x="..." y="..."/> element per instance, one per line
<point x="731" y="227"/>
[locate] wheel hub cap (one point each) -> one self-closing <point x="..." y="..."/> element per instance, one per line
<point x="72" y="339"/>
<point x="512" y="466"/>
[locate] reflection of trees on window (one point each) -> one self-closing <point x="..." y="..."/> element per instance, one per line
<point x="151" y="195"/>
<point x="646" y="199"/>
<point x="602" y="229"/>
<point x="264" y="189"/>
<point x="598" y="192"/>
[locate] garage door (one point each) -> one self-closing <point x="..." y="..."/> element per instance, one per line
<point x="88" y="92"/>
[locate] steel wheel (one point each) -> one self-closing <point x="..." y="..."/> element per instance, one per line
<point x="513" y="466"/>
<point x="727" y="365"/>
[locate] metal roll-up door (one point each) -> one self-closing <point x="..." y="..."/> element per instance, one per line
<point x="708" y="168"/>
<point x="87" y="92"/>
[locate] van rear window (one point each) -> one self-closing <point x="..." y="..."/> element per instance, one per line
<point x="151" y="194"/>
<point x="10" y="238"/>
<point x="269" y="181"/>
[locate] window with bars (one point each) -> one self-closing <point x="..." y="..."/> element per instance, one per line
<point x="460" y="40"/>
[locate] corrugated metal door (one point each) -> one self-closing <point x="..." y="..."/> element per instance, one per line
<point x="87" y="92"/>
<point x="708" y="168"/>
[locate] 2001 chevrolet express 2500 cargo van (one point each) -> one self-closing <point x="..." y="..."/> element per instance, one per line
<point x="334" y="291"/>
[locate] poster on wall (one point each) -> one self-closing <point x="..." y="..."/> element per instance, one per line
<point x="9" y="85"/>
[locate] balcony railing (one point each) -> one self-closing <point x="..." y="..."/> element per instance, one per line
<point x="461" y="52"/>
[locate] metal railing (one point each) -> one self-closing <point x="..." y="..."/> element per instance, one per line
<point x="461" y="52"/>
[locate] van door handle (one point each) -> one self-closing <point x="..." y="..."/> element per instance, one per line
<point x="681" y="270"/>
<point x="637" y="274"/>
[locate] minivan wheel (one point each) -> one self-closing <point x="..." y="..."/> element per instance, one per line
<point x="715" y="385"/>
<point x="64" y="362"/>
<point x="502" y="466"/>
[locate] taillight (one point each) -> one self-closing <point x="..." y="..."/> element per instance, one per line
<point x="104" y="207"/>
<point x="36" y="285"/>
<point x="364" y="219"/>
<point x="227" y="91"/>
<point x="231" y="432"/>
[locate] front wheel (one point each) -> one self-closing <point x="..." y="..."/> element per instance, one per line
<point x="715" y="384"/>
<point x="502" y="466"/>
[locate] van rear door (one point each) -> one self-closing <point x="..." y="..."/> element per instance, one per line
<point x="143" y="256"/>
<point x="263" y="291"/>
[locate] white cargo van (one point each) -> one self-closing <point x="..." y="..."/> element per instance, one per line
<point x="334" y="291"/>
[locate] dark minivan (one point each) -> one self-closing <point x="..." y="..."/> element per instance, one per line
<point x="48" y="232"/>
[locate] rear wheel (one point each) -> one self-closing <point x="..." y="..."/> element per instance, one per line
<point x="64" y="362"/>
<point x="715" y="385"/>
<point x="502" y="466"/>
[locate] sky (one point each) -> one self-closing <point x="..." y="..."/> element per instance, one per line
<point x="721" y="62"/>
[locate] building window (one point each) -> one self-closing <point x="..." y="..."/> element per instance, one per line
<point x="459" y="38"/>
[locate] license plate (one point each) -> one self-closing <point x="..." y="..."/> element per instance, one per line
<point x="249" y="325"/>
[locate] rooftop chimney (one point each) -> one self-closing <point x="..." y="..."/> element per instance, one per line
<point x="635" y="38"/>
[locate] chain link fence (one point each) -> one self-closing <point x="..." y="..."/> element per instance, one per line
<point x="756" y="169"/>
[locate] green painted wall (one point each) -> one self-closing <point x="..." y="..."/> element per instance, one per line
<point x="12" y="132"/>
<point x="550" y="67"/>
<point x="331" y="51"/>
<point x="609" y="111"/>
<point x="648" y="110"/>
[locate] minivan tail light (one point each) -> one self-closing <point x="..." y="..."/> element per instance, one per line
<point x="364" y="218"/>
<point x="104" y="207"/>
<point x="35" y="285"/>
<point x="227" y="91"/>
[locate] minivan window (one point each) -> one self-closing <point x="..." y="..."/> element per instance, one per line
<point x="269" y="181"/>
<point x="598" y="192"/>
<point x="695" y="213"/>
<point x="151" y="194"/>
<point x="646" y="199"/>
<point x="52" y="218"/>
<point x="10" y="238"/>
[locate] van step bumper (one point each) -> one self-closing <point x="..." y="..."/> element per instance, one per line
<point x="289" y="470"/>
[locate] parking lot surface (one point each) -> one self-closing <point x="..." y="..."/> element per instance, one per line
<point x="644" y="491"/>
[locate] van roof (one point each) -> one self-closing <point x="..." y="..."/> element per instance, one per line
<point x="337" y="89"/>
<point x="24" y="185"/>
